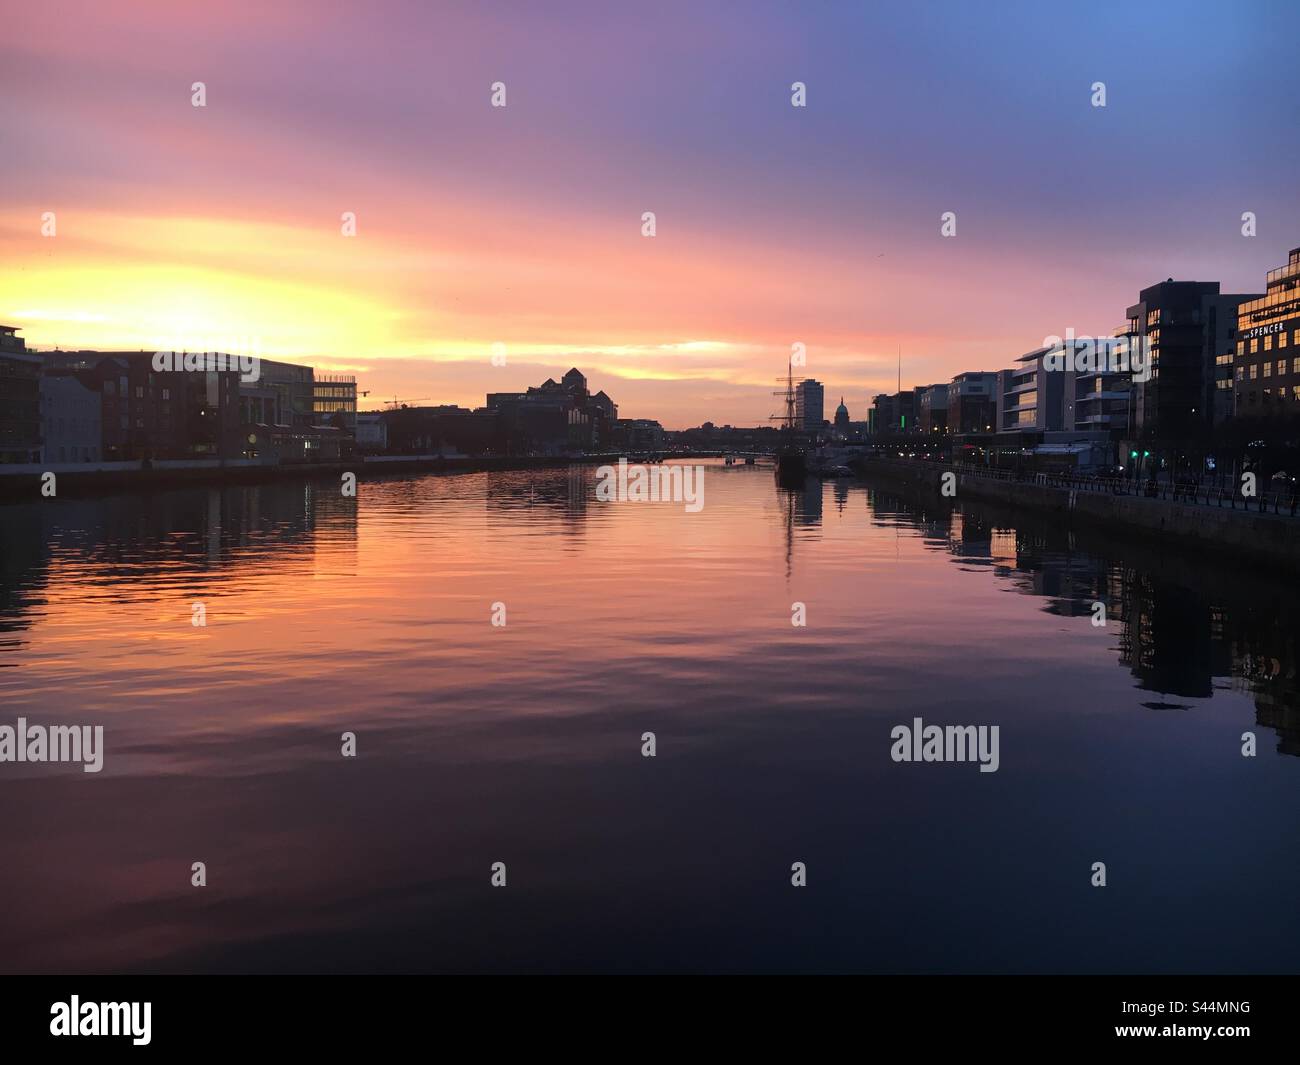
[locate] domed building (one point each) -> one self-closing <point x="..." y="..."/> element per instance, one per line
<point x="842" y="417"/>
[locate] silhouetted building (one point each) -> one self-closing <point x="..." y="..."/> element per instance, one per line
<point x="972" y="407"/>
<point x="842" y="422"/>
<point x="444" y="430"/>
<point x="931" y="408"/>
<point x="1184" y="326"/>
<point x="20" y="399"/>
<point x="157" y="414"/>
<point x="809" y="405"/>
<point x="71" y="418"/>
<point x="555" y="416"/>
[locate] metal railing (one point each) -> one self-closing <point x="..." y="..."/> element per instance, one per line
<point x="1281" y="501"/>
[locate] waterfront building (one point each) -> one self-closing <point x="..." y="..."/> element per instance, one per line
<point x="931" y="405"/>
<point x="972" y="406"/>
<point x="1185" y="326"/>
<point x="372" y="432"/>
<point x="71" y="418"/>
<point x="20" y="399"/>
<point x="1266" y="357"/>
<point x="894" y="413"/>
<point x="334" y="400"/>
<point x="555" y="416"/>
<point x="883" y="415"/>
<point x="809" y="405"/>
<point x="447" y="429"/>
<point x="156" y="414"/>
<point x="283" y="394"/>
<point x="638" y="434"/>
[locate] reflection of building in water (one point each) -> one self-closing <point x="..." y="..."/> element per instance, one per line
<point x="808" y="503"/>
<point x="1264" y="665"/>
<point x="24" y="570"/>
<point x="1176" y="633"/>
<point x="560" y="500"/>
<point x="1165" y="638"/>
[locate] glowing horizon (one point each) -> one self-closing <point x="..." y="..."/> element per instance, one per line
<point x="521" y="225"/>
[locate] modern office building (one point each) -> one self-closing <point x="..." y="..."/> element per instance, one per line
<point x="1219" y="327"/>
<point x="929" y="409"/>
<point x="1267" y="352"/>
<point x="71" y="418"/>
<point x="893" y="414"/>
<point x="334" y="400"/>
<point x="972" y="402"/>
<point x="1184" y="327"/>
<point x="1030" y="397"/>
<point x="20" y="399"/>
<point x="809" y="405"/>
<point x="283" y="394"/>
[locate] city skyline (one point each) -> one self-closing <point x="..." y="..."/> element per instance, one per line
<point x="775" y="224"/>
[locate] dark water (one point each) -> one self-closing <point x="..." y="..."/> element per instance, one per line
<point x="522" y="744"/>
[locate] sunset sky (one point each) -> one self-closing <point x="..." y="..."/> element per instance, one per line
<point x="180" y="226"/>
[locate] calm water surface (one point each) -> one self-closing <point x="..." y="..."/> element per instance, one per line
<point x="522" y="744"/>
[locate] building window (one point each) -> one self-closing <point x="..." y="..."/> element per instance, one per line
<point x="166" y="393"/>
<point x="1281" y="339"/>
<point x="1295" y="365"/>
<point x="1241" y="373"/>
<point x="1281" y="367"/>
<point x="1254" y="345"/>
<point x="1268" y="369"/>
<point x="139" y="391"/>
<point x="1241" y="347"/>
<point x="1254" y="370"/>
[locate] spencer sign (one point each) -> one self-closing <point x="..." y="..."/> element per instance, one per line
<point x="1264" y="330"/>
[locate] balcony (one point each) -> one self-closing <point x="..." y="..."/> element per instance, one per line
<point x="1283" y="272"/>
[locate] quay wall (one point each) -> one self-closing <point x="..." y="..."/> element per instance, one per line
<point x="1244" y="533"/>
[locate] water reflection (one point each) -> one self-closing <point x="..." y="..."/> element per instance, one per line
<point x="1188" y="626"/>
<point x="329" y="614"/>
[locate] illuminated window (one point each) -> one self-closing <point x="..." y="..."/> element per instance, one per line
<point x="1281" y="340"/>
<point x="1268" y="342"/>
<point x="1254" y="370"/>
<point x="1241" y="373"/>
<point x="1254" y="345"/>
<point x="1268" y="369"/>
<point x="1281" y="367"/>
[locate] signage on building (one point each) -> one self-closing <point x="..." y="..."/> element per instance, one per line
<point x="1264" y="330"/>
